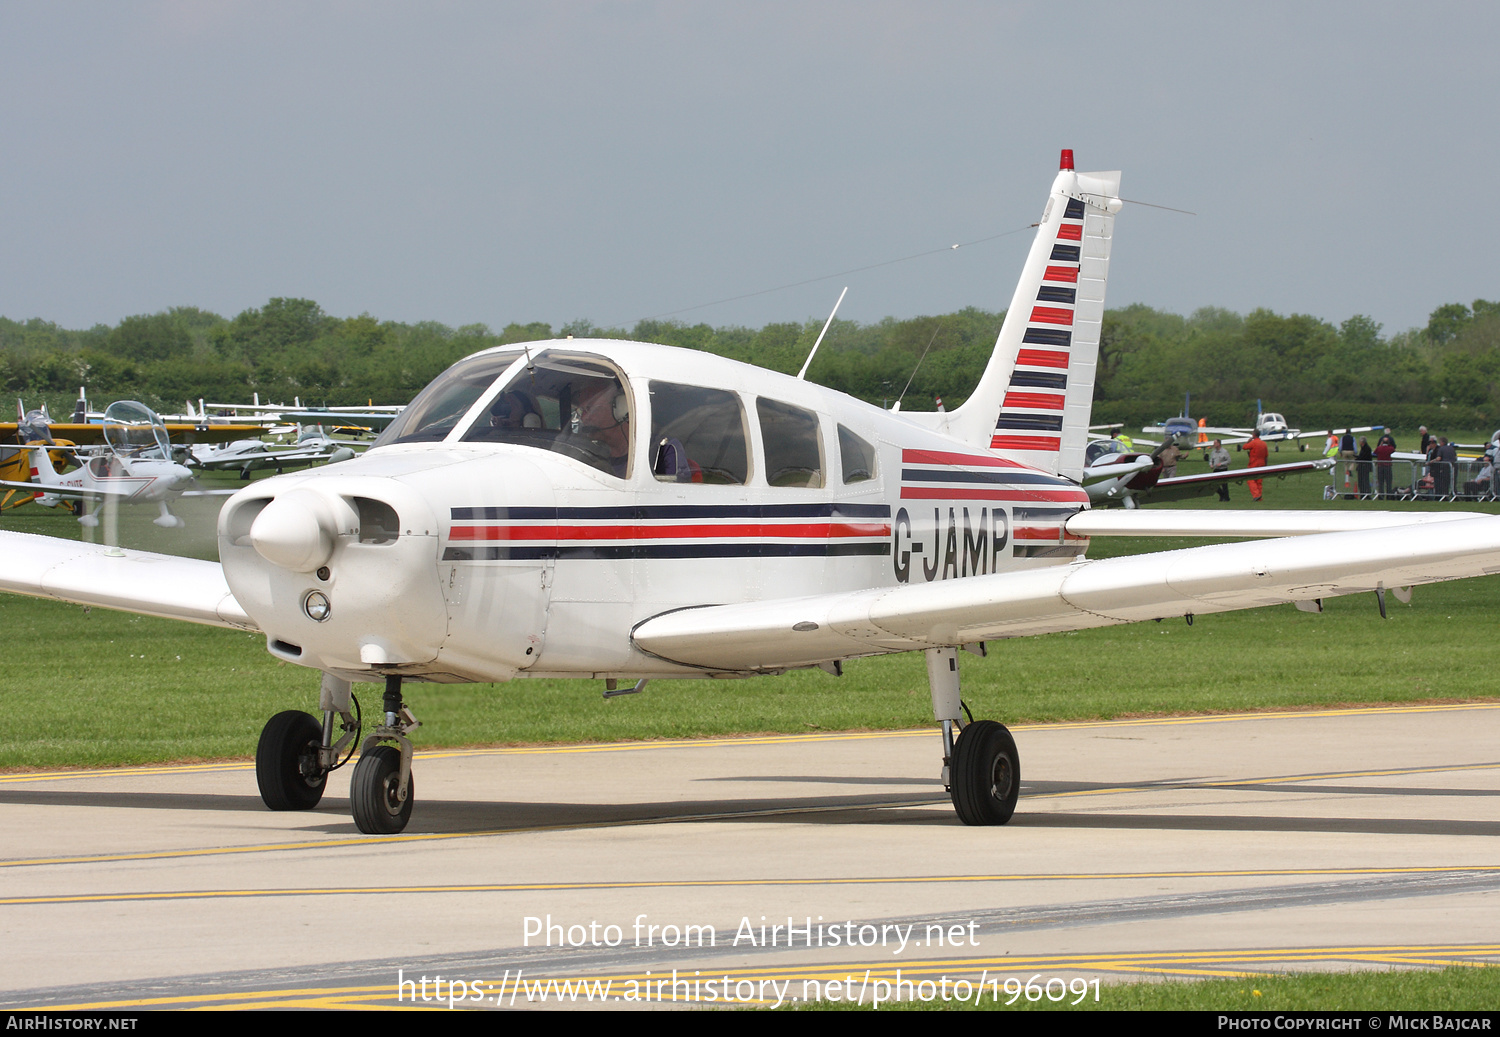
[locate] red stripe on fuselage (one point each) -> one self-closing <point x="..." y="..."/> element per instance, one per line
<point x="1066" y="495"/>
<point x="1044" y="533"/>
<point x="1070" y="232"/>
<point x="1025" y="443"/>
<point x="1067" y="274"/>
<point x="944" y="457"/>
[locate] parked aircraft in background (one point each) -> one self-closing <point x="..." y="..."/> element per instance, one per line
<point x="1184" y="429"/>
<point x="617" y="510"/>
<point x="1273" y="428"/>
<point x="247" y="455"/>
<point x="341" y="420"/>
<point x="85" y="427"/>
<point x="1116" y="478"/>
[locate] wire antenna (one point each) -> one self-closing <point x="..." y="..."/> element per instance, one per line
<point x="914" y="370"/>
<point x="808" y="362"/>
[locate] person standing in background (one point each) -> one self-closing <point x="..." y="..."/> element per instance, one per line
<point x="1258" y="452"/>
<point x="1218" y="461"/>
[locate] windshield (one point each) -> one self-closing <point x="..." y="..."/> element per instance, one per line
<point x="572" y="405"/>
<point x="436" y="410"/>
<point x="133" y="430"/>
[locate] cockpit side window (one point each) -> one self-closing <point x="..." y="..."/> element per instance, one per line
<point x="437" y="409"/>
<point x="697" y="435"/>
<point x="576" y="406"/>
<point x="857" y="457"/>
<point x="794" y="450"/>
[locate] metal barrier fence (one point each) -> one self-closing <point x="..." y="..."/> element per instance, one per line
<point x="1410" y="480"/>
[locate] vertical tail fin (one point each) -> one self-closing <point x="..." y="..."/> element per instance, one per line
<point x="41" y="465"/>
<point x="1034" y="400"/>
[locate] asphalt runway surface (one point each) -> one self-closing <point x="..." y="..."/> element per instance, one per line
<point x="758" y="870"/>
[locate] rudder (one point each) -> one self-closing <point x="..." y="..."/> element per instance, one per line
<point x="1037" y="392"/>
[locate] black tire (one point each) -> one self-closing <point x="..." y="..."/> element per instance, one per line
<point x="286" y="762"/>
<point x="985" y="774"/>
<point x="372" y="792"/>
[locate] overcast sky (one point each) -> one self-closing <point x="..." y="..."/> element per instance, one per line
<point x="495" y="162"/>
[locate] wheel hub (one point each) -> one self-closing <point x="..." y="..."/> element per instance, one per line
<point x="1000" y="778"/>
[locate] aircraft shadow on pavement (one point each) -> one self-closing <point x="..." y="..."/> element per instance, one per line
<point x="916" y="806"/>
<point x="451" y="815"/>
<point x="1054" y="788"/>
<point x="131" y="800"/>
<point x="1257" y="823"/>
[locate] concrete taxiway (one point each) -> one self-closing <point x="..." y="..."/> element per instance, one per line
<point x="758" y="869"/>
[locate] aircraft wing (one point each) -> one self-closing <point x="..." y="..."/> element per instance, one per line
<point x="371" y="418"/>
<point x="131" y="581"/>
<point x="65" y="492"/>
<point x="1183" y="487"/>
<point x="179" y="432"/>
<point x="793" y="632"/>
<point x="286" y="456"/>
<point x="1325" y="433"/>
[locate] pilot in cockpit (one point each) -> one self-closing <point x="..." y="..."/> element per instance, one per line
<point x="602" y="412"/>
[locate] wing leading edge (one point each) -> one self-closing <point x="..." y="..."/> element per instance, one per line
<point x="782" y="634"/>
<point x="131" y="581"/>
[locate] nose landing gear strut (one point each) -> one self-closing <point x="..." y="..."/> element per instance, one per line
<point x="381" y="790"/>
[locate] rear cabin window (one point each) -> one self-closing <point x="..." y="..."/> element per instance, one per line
<point x="856" y="456"/>
<point x="697" y="435"/>
<point x="793" y="448"/>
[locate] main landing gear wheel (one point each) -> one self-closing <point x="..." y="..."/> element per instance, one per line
<point x="287" y="765"/>
<point x="373" y="792"/>
<point x="985" y="775"/>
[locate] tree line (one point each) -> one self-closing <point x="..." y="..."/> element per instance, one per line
<point x="1318" y="373"/>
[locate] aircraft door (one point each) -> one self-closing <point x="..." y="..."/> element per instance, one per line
<point x="497" y="569"/>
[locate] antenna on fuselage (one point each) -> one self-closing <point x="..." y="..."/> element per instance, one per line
<point x="897" y="406"/>
<point x="808" y="362"/>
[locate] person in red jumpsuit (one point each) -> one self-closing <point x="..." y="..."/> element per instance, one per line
<point x="1258" y="451"/>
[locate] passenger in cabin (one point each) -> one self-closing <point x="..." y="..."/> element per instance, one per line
<point x="513" y="409"/>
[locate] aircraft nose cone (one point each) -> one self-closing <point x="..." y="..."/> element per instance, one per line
<point x="295" y="531"/>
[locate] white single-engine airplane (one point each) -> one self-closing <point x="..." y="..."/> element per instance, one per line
<point x="586" y="508"/>
<point x="135" y="467"/>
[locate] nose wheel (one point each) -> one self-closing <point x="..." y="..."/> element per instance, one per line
<point x="375" y="792"/>
<point x="380" y="792"/>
